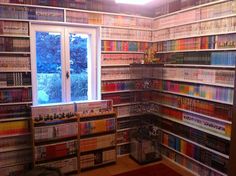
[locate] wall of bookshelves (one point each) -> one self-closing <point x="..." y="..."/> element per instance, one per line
<point x="195" y="88"/>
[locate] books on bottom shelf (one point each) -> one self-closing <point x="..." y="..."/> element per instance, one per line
<point x="65" y="165"/>
<point x="97" y="158"/>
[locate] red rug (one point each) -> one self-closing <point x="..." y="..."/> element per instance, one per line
<point x="153" y="170"/>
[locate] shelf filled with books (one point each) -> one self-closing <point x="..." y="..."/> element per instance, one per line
<point x="15" y="97"/>
<point x="97" y="133"/>
<point x="55" y="137"/>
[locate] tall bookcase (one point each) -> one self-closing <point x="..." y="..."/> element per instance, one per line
<point x="15" y="97"/>
<point x="194" y="95"/>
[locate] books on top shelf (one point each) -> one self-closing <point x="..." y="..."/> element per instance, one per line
<point x="14" y="28"/>
<point x="31" y="13"/>
<point x="84" y="17"/>
<point x="87" y="109"/>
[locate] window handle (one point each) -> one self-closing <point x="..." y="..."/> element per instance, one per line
<point x="67" y="75"/>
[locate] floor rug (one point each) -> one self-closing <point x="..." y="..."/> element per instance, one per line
<point x="153" y="170"/>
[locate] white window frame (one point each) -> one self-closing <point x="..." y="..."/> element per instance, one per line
<point x="93" y="59"/>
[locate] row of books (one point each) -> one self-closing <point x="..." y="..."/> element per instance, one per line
<point x="128" y="58"/>
<point x="14" y="63"/>
<point x="213" y="11"/>
<point x="203" y="58"/>
<point x="196" y="43"/>
<point x="124" y="46"/>
<point x="226" y="41"/>
<point x="124" y="110"/>
<point x="13" y="111"/>
<point x="100" y="142"/>
<point x="216" y="110"/>
<point x="121" y="85"/>
<point x="61" y="131"/>
<point x="224" y="25"/>
<point x="15" y="79"/>
<point x="97" y="158"/>
<point x="97" y="126"/>
<point x="126" y="34"/>
<point x="175" y="5"/>
<point x="202" y="91"/>
<point x="14" y="44"/>
<point x="15" y="142"/>
<point x="118" y="98"/>
<point x="31" y="13"/>
<point x="14" y="28"/>
<point x="15" y="157"/>
<point x="15" y="95"/>
<point x="194" y="120"/>
<point x="200" y="75"/>
<point x="188" y="163"/>
<point x="200" y="137"/>
<point x="107" y="19"/>
<point x="65" y="165"/>
<point x="44" y="153"/>
<point x="111" y="73"/>
<point x="14" y="127"/>
<point x="217" y="162"/>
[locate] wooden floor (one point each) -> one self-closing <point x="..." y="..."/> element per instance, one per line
<point x="125" y="164"/>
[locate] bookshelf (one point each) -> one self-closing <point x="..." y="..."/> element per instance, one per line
<point x="55" y="137"/>
<point x="15" y="97"/>
<point x="97" y="134"/>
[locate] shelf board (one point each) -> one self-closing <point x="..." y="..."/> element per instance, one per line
<point x="14" y="135"/>
<point x="192" y="112"/>
<point x="14" y="119"/>
<point x="204" y="66"/>
<point x="122" y="91"/>
<point x="115" y="65"/>
<point x="122" y="155"/>
<point x="197" y="144"/>
<point x="192" y="159"/>
<point x="117" y="79"/>
<point x="125" y="129"/>
<point x="123" y="143"/>
<point x="197" y="50"/>
<point x="15" y="103"/>
<point x="129" y="115"/>
<point x="201" y="98"/>
<point x="127" y="27"/>
<point x="125" y="39"/>
<point x="95" y="114"/>
<point x="192" y="126"/>
<point x="15" y="148"/>
<point x="56" y="159"/>
<point x="102" y="148"/>
<point x="96" y="165"/>
<point x="126" y="104"/>
<point x="14" y="35"/>
<point x="13" y="52"/>
<point x="122" y="52"/>
<point x="13" y="87"/>
<point x="14" y="71"/>
<point x="16" y="164"/>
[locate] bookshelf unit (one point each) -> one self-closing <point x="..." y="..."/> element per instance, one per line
<point x="97" y="134"/>
<point x="55" y="137"/>
<point x="15" y="97"/>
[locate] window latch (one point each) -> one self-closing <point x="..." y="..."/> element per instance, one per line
<point x="67" y="75"/>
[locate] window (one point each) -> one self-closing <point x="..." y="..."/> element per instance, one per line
<point x="64" y="64"/>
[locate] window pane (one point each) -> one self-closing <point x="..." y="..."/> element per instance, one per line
<point x="79" y="66"/>
<point x="48" y="56"/>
